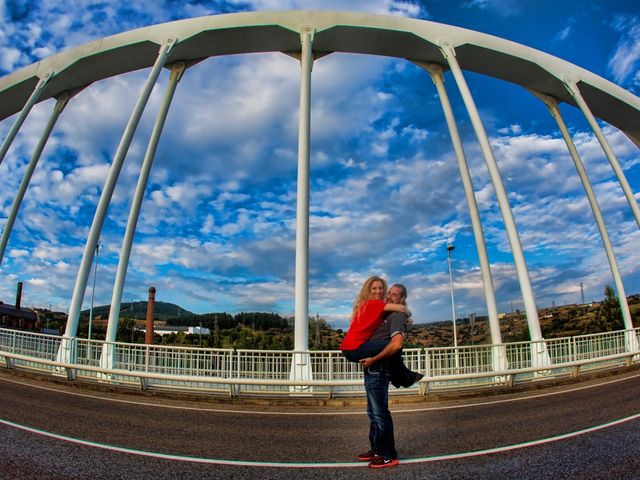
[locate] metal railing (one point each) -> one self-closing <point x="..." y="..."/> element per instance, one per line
<point x="257" y="372"/>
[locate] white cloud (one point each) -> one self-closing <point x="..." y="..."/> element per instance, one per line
<point x="208" y="224"/>
<point x="9" y="58"/>
<point x="624" y="61"/>
<point x="397" y="7"/>
<point x="217" y="229"/>
<point x="506" y="8"/>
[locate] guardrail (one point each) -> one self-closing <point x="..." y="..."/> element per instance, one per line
<point x="268" y="372"/>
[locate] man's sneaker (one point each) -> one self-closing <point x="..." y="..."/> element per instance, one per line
<point x="368" y="456"/>
<point x="380" y="462"/>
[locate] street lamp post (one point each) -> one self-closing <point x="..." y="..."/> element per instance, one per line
<point x="93" y="291"/>
<point x="450" y="248"/>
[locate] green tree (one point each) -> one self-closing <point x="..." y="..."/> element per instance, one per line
<point x="609" y="316"/>
<point x="125" y="330"/>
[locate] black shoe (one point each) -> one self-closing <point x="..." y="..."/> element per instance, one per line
<point x="395" y="379"/>
<point x="404" y="379"/>
<point x="411" y="378"/>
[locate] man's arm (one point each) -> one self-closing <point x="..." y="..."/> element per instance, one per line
<point x="394" y="346"/>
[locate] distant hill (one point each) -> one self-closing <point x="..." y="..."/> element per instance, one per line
<point x="138" y="310"/>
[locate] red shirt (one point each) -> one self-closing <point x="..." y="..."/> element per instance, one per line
<point x="365" y="322"/>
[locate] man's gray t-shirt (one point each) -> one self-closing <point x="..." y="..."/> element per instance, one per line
<point x="392" y="324"/>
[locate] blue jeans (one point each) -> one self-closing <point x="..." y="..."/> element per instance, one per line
<point x="399" y="374"/>
<point x="376" y="384"/>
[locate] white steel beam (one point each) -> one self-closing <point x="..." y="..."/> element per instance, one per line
<point x="301" y="342"/>
<point x="26" y="179"/>
<point x="106" y="360"/>
<point x="301" y="366"/>
<point x="499" y="357"/>
<point x="573" y="89"/>
<point x="105" y="197"/>
<point x="552" y="105"/>
<point x="13" y="131"/>
<point x="539" y="354"/>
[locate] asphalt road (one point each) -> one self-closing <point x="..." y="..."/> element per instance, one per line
<point x="588" y="430"/>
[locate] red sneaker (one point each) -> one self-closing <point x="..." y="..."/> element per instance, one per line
<point x="368" y="456"/>
<point x="381" y="462"/>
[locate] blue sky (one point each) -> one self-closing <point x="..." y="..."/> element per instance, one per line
<point x="217" y="229"/>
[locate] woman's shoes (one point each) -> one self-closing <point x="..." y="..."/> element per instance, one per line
<point x="405" y="379"/>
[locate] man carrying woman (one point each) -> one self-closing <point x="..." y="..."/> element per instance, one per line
<point x="375" y="339"/>
<point x="373" y="309"/>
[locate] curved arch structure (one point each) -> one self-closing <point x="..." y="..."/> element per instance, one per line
<point x="416" y="40"/>
<point x="309" y="35"/>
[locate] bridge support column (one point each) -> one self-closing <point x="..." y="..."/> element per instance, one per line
<point x="116" y="299"/>
<point x="499" y="358"/>
<point x="539" y="355"/>
<point x="552" y="105"/>
<point x="35" y="158"/>
<point x="301" y="365"/>
<point x="572" y="88"/>
<point x="105" y="198"/>
<point x="68" y="354"/>
<point x="13" y="131"/>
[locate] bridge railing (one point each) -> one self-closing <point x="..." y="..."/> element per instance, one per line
<point x="247" y="372"/>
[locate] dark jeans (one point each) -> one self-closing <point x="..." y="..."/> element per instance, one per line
<point x="398" y="372"/>
<point x="376" y="384"/>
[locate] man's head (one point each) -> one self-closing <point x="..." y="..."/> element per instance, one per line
<point x="397" y="294"/>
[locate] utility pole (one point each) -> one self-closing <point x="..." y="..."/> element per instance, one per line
<point x="93" y="293"/>
<point x="582" y="292"/>
<point x="215" y="330"/>
<point x="450" y="248"/>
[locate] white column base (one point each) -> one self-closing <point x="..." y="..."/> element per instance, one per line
<point x="499" y="354"/>
<point x="66" y="354"/>
<point x="500" y="363"/>
<point x="301" y="371"/>
<point x="107" y="360"/>
<point x="631" y="341"/>
<point x="540" y="357"/>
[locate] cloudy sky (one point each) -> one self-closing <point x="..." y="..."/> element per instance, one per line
<point x="217" y="229"/>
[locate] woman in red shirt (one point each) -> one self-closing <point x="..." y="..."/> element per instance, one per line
<point x="369" y="308"/>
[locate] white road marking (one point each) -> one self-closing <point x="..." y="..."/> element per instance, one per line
<point x="237" y="463"/>
<point x="333" y="412"/>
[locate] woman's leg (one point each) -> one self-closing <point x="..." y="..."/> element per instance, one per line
<point x="366" y="350"/>
<point x="399" y="373"/>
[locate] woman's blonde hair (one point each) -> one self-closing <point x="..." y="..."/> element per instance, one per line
<point x="365" y="293"/>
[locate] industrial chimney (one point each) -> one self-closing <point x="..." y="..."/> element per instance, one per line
<point x="148" y="336"/>
<point x="19" y="296"/>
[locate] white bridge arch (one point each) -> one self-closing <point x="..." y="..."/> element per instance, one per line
<point x="308" y="36"/>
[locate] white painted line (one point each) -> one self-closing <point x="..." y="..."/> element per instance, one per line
<point x="237" y="463"/>
<point x="520" y="398"/>
<point x="517" y="446"/>
<point x="331" y="413"/>
<point x="181" y="458"/>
